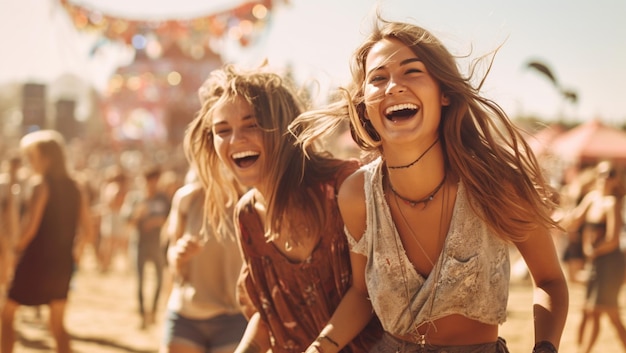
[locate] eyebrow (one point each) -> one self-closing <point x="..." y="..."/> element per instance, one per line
<point x="409" y="60"/>
<point x="244" y="119"/>
<point x="402" y="63"/>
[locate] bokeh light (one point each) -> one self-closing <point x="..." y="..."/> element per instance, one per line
<point x="174" y="78"/>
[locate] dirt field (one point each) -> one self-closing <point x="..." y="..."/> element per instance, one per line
<point x="102" y="318"/>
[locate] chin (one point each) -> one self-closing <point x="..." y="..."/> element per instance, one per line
<point x="248" y="181"/>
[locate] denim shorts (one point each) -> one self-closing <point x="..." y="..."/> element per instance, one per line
<point x="204" y="334"/>
<point x="391" y="344"/>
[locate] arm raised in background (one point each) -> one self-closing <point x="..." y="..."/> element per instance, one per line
<point x="183" y="247"/>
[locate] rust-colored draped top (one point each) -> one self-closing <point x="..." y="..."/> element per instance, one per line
<point x="296" y="299"/>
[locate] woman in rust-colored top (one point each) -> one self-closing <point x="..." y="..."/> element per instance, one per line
<point x="296" y="257"/>
<point x="295" y="298"/>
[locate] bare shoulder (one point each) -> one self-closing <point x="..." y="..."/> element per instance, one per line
<point x="38" y="184"/>
<point x="352" y="189"/>
<point x="185" y="194"/>
<point x="351" y="201"/>
<point x="187" y="191"/>
<point x="246" y="198"/>
<point x="252" y="196"/>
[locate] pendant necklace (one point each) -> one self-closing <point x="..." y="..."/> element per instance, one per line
<point x="288" y="245"/>
<point x="420" y="339"/>
<point x="425" y="200"/>
<point x="292" y="242"/>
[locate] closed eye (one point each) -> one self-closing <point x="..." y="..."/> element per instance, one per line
<point x="221" y="131"/>
<point x="377" y="78"/>
<point x="414" y="70"/>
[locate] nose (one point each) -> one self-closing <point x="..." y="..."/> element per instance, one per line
<point x="394" y="87"/>
<point x="237" y="135"/>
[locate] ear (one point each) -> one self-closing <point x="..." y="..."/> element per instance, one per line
<point x="445" y="100"/>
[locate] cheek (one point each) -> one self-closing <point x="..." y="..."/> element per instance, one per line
<point x="372" y="107"/>
<point x="221" y="149"/>
<point x="258" y="139"/>
<point x="372" y="95"/>
<point x="371" y="112"/>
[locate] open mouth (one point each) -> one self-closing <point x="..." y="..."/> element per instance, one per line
<point x="245" y="159"/>
<point x="401" y="111"/>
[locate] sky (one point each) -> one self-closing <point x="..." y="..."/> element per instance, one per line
<point x="582" y="42"/>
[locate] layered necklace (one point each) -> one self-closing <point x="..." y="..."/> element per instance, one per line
<point x="430" y="196"/>
<point x="419" y="338"/>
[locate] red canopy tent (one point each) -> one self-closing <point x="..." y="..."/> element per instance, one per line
<point x="590" y="142"/>
<point x="540" y="141"/>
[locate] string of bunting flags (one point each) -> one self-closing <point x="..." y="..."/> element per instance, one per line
<point x="241" y="24"/>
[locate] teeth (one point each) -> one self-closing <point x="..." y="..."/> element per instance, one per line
<point x="244" y="154"/>
<point x="395" y="108"/>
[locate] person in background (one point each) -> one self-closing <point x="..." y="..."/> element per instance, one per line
<point x="148" y="213"/>
<point x="202" y="311"/>
<point x="572" y="194"/>
<point x="296" y="261"/>
<point x="452" y="183"/>
<point x="10" y="212"/>
<point x="55" y="228"/>
<point x="170" y="181"/>
<point x="114" y="228"/>
<point x="599" y="215"/>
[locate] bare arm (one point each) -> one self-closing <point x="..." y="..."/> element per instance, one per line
<point x="34" y="213"/>
<point x="574" y="218"/>
<point x="10" y="214"/>
<point x="86" y="232"/>
<point x="256" y="337"/>
<point x="355" y="309"/>
<point x="173" y="228"/>
<point x="551" y="297"/>
<point x="351" y="315"/>
<point x="182" y="248"/>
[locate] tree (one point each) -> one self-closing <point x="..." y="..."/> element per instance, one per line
<point x="568" y="94"/>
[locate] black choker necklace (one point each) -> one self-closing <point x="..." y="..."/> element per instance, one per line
<point x="415" y="161"/>
<point x="425" y="200"/>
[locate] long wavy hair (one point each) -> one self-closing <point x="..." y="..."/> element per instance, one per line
<point x="481" y="145"/>
<point x="293" y="179"/>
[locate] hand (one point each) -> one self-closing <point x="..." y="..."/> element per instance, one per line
<point x="185" y="248"/>
<point x="314" y="348"/>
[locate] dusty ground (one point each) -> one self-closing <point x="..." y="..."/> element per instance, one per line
<point x="102" y="318"/>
